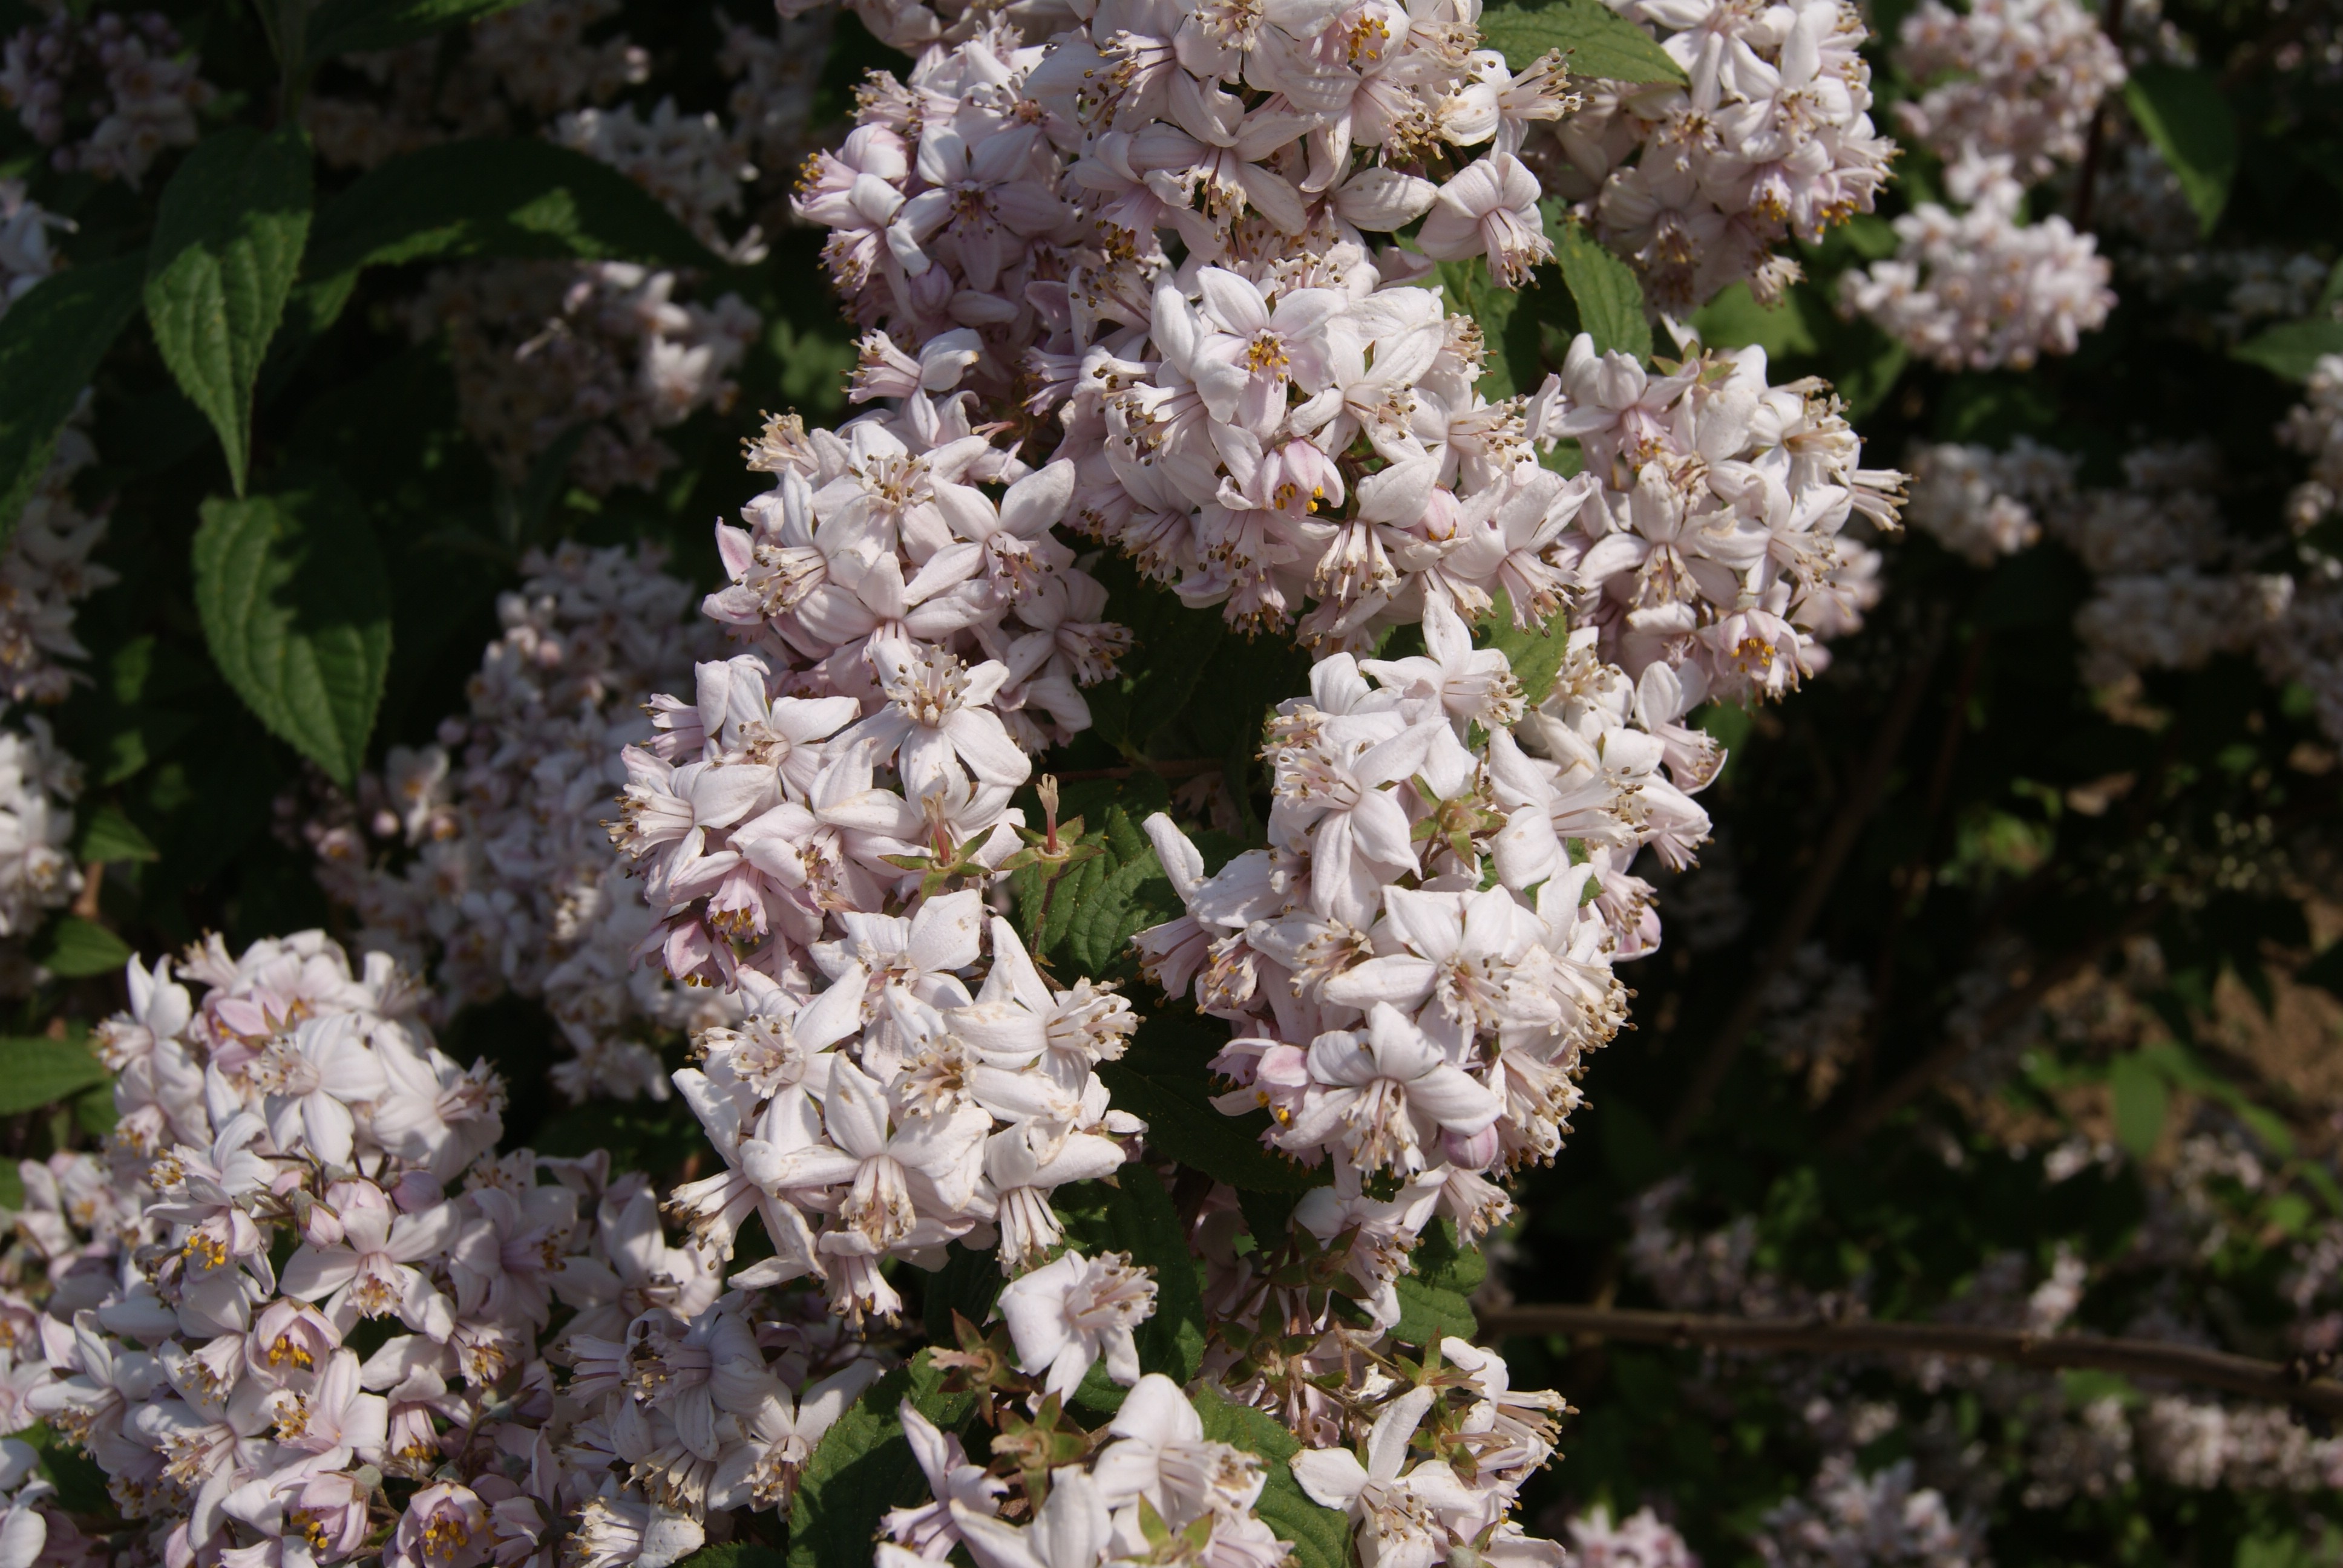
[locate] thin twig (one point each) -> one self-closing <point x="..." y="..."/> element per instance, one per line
<point x="2275" y="1382"/>
<point x="1947" y="1052"/>
<point x="1851" y="813"/>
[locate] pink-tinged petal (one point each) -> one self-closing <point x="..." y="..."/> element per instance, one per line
<point x="1333" y="1477"/>
<point x="1402" y="981"/>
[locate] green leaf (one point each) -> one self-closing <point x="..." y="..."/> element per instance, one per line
<point x="2181" y="109"/>
<point x="1140" y="1220"/>
<point x="503" y="199"/>
<point x="1471" y="293"/>
<point x="38" y="1072"/>
<point x="80" y="946"/>
<point x="51" y="340"/>
<point x="1734" y="319"/>
<point x="736" y="1554"/>
<point x="863" y="1467"/>
<point x="93" y="1109"/>
<point x="1609" y="300"/>
<point x="228" y="238"/>
<point x="969" y="1283"/>
<point x="2141" y="1097"/>
<point x="2292" y="350"/>
<point x="1599" y="42"/>
<point x="80" y="1483"/>
<point x="1535" y="654"/>
<point x="1435" y="1299"/>
<point x="1163" y="1081"/>
<point x="357" y="27"/>
<point x="1321" y="1537"/>
<point x="112" y="838"/>
<point x="296" y="611"/>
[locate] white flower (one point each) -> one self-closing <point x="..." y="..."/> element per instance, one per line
<point x="1067" y="1314"/>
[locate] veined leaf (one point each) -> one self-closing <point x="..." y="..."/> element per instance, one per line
<point x="2181" y="109"/>
<point x="1535" y="653"/>
<point x="863" y="1467"/>
<point x="112" y="838"/>
<point x="1321" y="1537"/>
<point x="357" y="27"/>
<point x="1599" y="42"/>
<point x="1436" y="1297"/>
<point x="1609" y="300"/>
<point x="291" y="590"/>
<point x="51" y="340"/>
<point x="227" y="245"/>
<point x="1140" y="1220"/>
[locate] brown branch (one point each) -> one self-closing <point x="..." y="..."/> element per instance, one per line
<point x="1849" y="816"/>
<point x="1947" y="1052"/>
<point x="2275" y="1382"/>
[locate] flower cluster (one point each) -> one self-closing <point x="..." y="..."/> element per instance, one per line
<point x="1419" y="964"/>
<point x="46" y="566"/>
<point x="915" y="640"/>
<point x="38" y="781"/>
<point x="1981" y="504"/>
<point x="508" y="882"/>
<point x="2314" y="427"/>
<point x="1639" y="1541"/>
<point x="1710" y="539"/>
<point x="604" y="355"/>
<point x="1770" y="138"/>
<point x="2017" y="81"/>
<point x="1882" y="1518"/>
<point x="1981" y="289"/>
<point x="280" y="1190"/>
<point x="104" y="90"/>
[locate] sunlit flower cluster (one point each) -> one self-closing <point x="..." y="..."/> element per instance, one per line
<point x="482" y="858"/>
<point x="299" y="1169"/>
<point x="1420" y="963"/>
<point x="105" y="91"/>
<point x="38" y="782"/>
<point x="2011" y="80"/>
<point x="1711" y="538"/>
<point x="1771" y="139"/>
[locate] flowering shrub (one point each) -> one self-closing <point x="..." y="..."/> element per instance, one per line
<point x="963" y="783"/>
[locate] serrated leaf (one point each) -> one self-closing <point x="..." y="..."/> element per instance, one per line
<point x="2181" y="109"/>
<point x="2292" y="350"/>
<point x="1610" y="301"/>
<point x="228" y="238"/>
<point x="1470" y="293"/>
<point x="80" y="946"/>
<point x="1535" y="654"/>
<point x="1140" y="1220"/>
<point x="51" y="340"/>
<point x="291" y="590"/>
<point x="1436" y="1297"/>
<point x="1321" y="1536"/>
<point x="1170" y="644"/>
<point x="357" y="27"/>
<point x="1599" y="42"/>
<point x="38" y="1072"/>
<point x="1133" y="896"/>
<point x="521" y="197"/>
<point x="112" y="838"/>
<point x="863" y="1467"/>
<point x="969" y="1283"/>
<point x="1163" y="1079"/>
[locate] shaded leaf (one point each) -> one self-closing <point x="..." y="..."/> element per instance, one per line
<point x="227" y="246"/>
<point x="2181" y="109"/>
<point x="1140" y="1220"/>
<point x="1163" y="1079"/>
<point x="357" y="27"/>
<point x="2140" y="1097"/>
<point x="38" y="1072"/>
<point x="1535" y="653"/>
<point x="504" y="199"/>
<point x="112" y="838"/>
<point x="290" y="588"/>
<point x="2292" y="350"/>
<point x="1599" y="42"/>
<point x="51" y="340"/>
